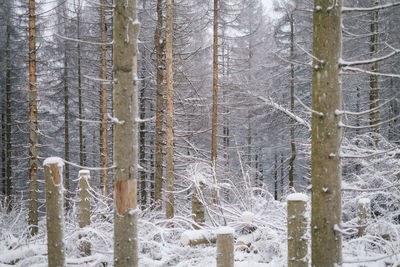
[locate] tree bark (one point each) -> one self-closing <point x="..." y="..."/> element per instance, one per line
<point x="33" y="124"/>
<point x="159" y="109"/>
<point x="170" y="178"/>
<point x="326" y="135"/>
<point x="215" y="99"/>
<point x="225" y="253"/>
<point x="103" y="103"/>
<point x="125" y="105"/>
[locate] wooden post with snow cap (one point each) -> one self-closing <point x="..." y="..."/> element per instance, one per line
<point x="225" y="254"/>
<point x="297" y="230"/>
<point x="84" y="209"/>
<point x="53" y="171"/>
<point x="364" y="214"/>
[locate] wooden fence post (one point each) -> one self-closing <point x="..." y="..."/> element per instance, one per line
<point x="84" y="209"/>
<point x="364" y="214"/>
<point x="225" y="254"/>
<point x="297" y="230"/>
<point x="53" y="171"/>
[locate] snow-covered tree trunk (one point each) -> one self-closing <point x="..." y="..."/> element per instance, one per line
<point x="33" y="124"/>
<point x="53" y="171"/>
<point x="170" y="178"/>
<point x="84" y="208"/>
<point x="326" y="135"/>
<point x="125" y="106"/>
<point x="297" y="230"/>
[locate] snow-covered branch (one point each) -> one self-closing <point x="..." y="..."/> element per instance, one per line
<point x="369" y="9"/>
<point x="344" y="63"/>
<point x="285" y="111"/>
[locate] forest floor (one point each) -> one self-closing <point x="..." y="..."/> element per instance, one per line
<point x="262" y="230"/>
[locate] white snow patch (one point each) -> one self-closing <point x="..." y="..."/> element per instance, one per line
<point x="297" y="197"/>
<point x="54" y="160"/>
<point x="364" y="201"/>
<point x="191" y="235"/>
<point x="84" y="173"/>
<point x="225" y="230"/>
<point x="247" y="217"/>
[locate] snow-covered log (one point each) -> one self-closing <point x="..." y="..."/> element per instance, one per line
<point x="197" y="237"/>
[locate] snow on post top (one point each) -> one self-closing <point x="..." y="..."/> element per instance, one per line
<point x="364" y="201"/>
<point x="297" y="197"/>
<point x="225" y="230"/>
<point x="54" y="160"/>
<point x="84" y="172"/>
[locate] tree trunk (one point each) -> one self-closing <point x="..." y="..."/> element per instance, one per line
<point x="170" y="113"/>
<point x="103" y="103"/>
<point x="125" y="106"/>
<point x="374" y="82"/>
<point x="33" y="124"/>
<point x="66" y="131"/>
<point x="159" y="109"/>
<point x="326" y="135"/>
<point x="142" y="138"/>
<point x="80" y="109"/>
<point x="292" y="133"/>
<point x="8" y="122"/>
<point x="215" y="99"/>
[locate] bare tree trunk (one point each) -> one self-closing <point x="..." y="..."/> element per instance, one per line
<point x="170" y="178"/>
<point x="292" y="133"/>
<point x="8" y="122"/>
<point x="125" y="106"/>
<point x="33" y="124"/>
<point x="159" y="109"/>
<point x="215" y="99"/>
<point x="374" y="81"/>
<point x="326" y="135"/>
<point x="66" y="131"/>
<point x="53" y="169"/>
<point x="80" y="109"/>
<point x="142" y="139"/>
<point x="103" y="103"/>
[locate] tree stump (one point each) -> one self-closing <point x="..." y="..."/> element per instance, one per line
<point x="297" y="230"/>
<point x="84" y="210"/>
<point x="53" y="169"/>
<point x="225" y="254"/>
<point x="364" y="214"/>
